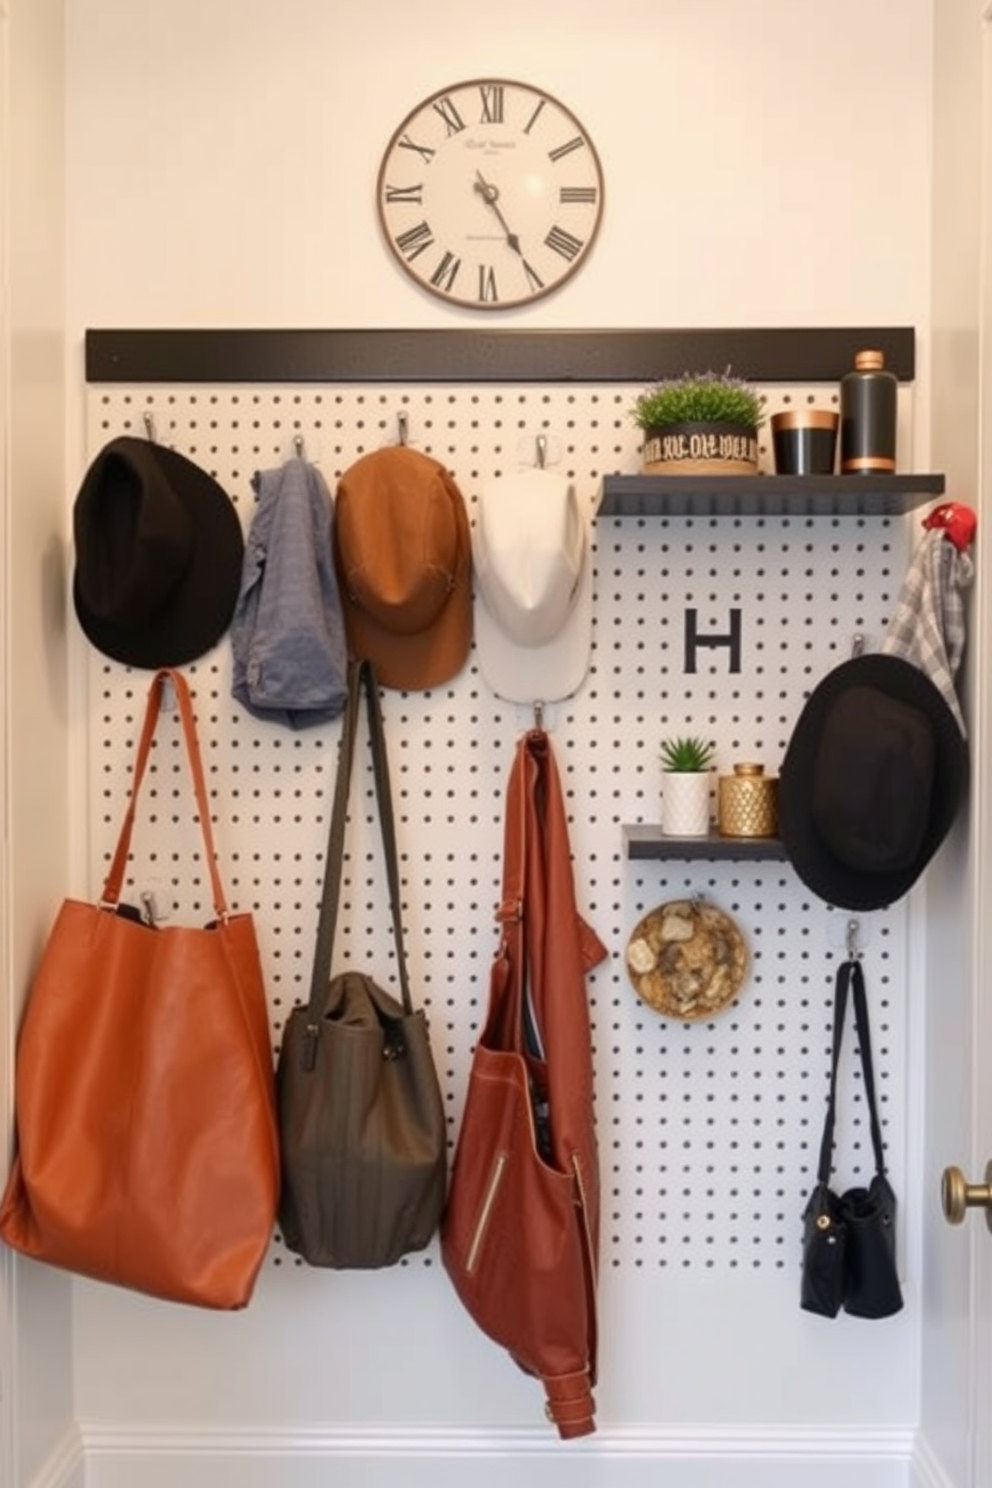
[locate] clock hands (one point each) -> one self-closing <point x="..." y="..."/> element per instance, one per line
<point x="490" y="195"/>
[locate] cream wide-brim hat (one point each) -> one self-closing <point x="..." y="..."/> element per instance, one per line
<point x="533" y="587"/>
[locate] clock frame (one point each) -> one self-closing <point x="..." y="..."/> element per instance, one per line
<point x="490" y="194"/>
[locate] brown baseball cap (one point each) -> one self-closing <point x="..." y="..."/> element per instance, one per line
<point x="404" y="558"/>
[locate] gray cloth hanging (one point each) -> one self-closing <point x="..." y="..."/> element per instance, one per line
<point x="928" y="625"/>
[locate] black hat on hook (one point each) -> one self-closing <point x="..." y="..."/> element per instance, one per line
<point x="871" y="782"/>
<point x="159" y="550"/>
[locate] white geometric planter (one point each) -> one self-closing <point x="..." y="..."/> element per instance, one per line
<point x="685" y="803"/>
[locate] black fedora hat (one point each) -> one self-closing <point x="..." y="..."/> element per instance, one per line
<point x="159" y="551"/>
<point x="871" y="781"/>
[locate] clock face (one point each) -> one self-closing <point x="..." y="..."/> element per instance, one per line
<point x="490" y="194"/>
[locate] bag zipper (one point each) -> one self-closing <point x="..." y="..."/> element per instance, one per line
<point x="590" y="1269"/>
<point x="483" y="1220"/>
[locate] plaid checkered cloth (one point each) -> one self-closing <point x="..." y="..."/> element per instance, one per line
<point x="928" y="626"/>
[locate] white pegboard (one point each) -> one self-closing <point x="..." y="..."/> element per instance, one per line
<point x="709" y="1133"/>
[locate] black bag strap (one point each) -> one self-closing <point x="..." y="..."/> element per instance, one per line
<point x="361" y="675"/>
<point x="850" y="977"/>
<point x="867" y="1068"/>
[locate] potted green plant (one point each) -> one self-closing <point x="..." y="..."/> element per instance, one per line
<point x="702" y="423"/>
<point x="687" y="762"/>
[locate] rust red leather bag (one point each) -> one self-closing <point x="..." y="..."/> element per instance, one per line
<point x="520" y="1234"/>
<point x="147" y="1146"/>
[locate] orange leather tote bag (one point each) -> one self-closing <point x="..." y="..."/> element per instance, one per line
<point x="147" y="1146"/>
<point x="520" y="1234"/>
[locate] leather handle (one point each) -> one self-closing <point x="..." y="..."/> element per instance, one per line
<point x="511" y="913"/>
<point x="115" y="876"/>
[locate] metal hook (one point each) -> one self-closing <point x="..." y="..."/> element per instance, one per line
<point x="298" y="445"/>
<point x="149" y="907"/>
<point x="401" y="420"/>
<point x="857" y="643"/>
<point x="853" y="929"/>
<point x="149" y="423"/>
<point x="539" y="715"/>
<point x="542" y="450"/>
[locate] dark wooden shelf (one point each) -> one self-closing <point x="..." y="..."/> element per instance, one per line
<point x="766" y="495"/>
<point x="651" y="842"/>
<point x="778" y="354"/>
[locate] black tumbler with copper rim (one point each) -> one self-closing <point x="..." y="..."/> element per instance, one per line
<point x="805" y="441"/>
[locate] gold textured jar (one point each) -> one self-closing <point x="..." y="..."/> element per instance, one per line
<point x="747" y="803"/>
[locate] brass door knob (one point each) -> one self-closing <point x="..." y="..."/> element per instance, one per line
<point x="957" y="1195"/>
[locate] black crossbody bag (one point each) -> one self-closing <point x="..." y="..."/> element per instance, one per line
<point x="849" y="1239"/>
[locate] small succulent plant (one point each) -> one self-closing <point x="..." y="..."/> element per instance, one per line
<point x="698" y="397"/>
<point x="686" y="755"/>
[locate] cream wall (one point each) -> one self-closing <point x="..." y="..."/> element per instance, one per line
<point x="766" y="165"/>
<point x="35" y="1303"/>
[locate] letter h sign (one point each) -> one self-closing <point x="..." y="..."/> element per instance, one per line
<point x="693" y="640"/>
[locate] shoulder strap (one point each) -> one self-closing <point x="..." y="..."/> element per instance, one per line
<point x="850" y="975"/>
<point x="841" y="984"/>
<point x="512" y="951"/>
<point x="360" y="674"/>
<point x="867" y="1068"/>
<point x="115" y="877"/>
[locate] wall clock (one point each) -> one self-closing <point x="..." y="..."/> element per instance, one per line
<point x="490" y="194"/>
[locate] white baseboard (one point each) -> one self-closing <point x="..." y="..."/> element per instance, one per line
<point x="161" y="1457"/>
<point x="65" y="1467"/>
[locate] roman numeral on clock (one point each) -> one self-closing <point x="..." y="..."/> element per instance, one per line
<point x="563" y="242"/>
<point x="487" y="285"/>
<point x="446" y="273"/>
<point x="453" y="121"/>
<point x="405" y="194"/>
<point x="571" y="194"/>
<point x="424" y="151"/>
<point x="414" y="241"/>
<point x="567" y="148"/>
<point x="534" y="116"/>
<point x="492" y="103"/>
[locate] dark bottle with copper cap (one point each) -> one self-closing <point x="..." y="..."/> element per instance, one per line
<point x="868" y="416"/>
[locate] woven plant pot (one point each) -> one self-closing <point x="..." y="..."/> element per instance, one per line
<point x="700" y="449"/>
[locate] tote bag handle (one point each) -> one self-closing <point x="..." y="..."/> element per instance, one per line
<point x="115" y="877"/>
